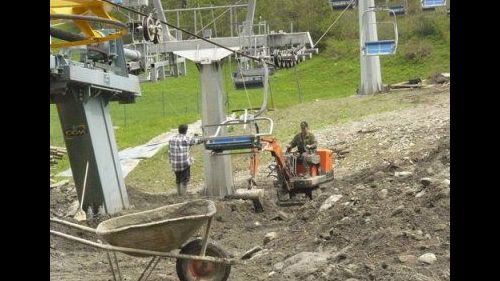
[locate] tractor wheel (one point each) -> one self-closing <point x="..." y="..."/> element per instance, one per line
<point x="191" y="270"/>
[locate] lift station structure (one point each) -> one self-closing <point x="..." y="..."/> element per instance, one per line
<point x="112" y="63"/>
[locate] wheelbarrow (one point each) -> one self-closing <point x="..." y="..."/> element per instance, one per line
<point x="158" y="233"/>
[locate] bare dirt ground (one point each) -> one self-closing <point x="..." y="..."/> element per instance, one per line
<point x="391" y="211"/>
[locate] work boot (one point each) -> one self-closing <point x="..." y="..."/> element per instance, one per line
<point x="183" y="188"/>
<point x="179" y="189"/>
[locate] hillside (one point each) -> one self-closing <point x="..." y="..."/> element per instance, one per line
<point x="392" y="210"/>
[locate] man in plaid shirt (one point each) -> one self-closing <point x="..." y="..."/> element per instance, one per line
<point x="180" y="157"/>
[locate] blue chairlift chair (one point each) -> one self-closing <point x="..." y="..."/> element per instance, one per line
<point x="432" y="4"/>
<point x="379" y="47"/>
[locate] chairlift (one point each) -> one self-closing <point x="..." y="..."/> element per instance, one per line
<point x="379" y="47"/>
<point x="432" y="4"/>
<point x="251" y="140"/>
<point x="248" y="78"/>
<point x="398" y="8"/>
<point x="219" y="141"/>
<point x="340" y="4"/>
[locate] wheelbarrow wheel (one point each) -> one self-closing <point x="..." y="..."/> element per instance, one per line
<point x="190" y="270"/>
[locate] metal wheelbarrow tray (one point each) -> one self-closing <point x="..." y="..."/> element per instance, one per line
<point x="162" y="229"/>
<point x="156" y="233"/>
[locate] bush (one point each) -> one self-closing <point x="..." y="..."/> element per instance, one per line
<point x="425" y="26"/>
<point x="416" y="50"/>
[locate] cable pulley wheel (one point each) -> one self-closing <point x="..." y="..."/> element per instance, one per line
<point x="149" y="28"/>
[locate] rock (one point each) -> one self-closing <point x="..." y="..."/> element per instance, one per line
<point x="281" y="216"/>
<point x="302" y="264"/>
<point x="352" y="266"/>
<point x="428" y="258"/>
<point x="271" y="273"/>
<point x="445" y="192"/>
<point x="446" y="183"/>
<point x="398" y="210"/>
<point x="279" y="266"/>
<point x="409" y="259"/>
<point x="260" y="254"/>
<point x="348" y="272"/>
<point x="329" y="202"/>
<point x="440" y="227"/>
<point x="345" y="220"/>
<point x="269" y="237"/>
<point x="384" y="265"/>
<point x="409" y="192"/>
<point x="420" y="194"/>
<point x="311" y="278"/>
<point x="220" y="218"/>
<point x="251" y="252"/>
<point x="426" y="181"/>
<point x="325" y="235"/>
<point x="402" y="174"/>
<point x="382" y="194"/>
<point x="75" y="206"/>
<point x="59" y="184"/>
<point x="351" y="279"/>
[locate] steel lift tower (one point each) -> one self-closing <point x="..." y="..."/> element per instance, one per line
<point x="371" y="78"/>
<point x="82" y="92"/>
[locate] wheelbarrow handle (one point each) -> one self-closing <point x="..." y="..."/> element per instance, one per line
<point x="142" y="252"/>
<point x="74" y="225"/>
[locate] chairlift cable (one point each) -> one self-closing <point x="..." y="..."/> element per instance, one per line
<point x="244" y="84"/>
<point x="216" y="18"/>
<point x="334" y="22"/>
<point x="187" y="32"/>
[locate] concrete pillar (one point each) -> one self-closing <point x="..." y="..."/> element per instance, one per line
<point x="218" y="169"/>
<point x="371" y="78"/>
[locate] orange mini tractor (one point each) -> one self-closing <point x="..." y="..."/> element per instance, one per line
<point x="288" y="169"/>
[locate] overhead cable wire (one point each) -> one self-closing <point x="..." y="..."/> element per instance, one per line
<point x="216" y="18"/>
<point x="187" y="32"/>
<point x="334" y="22"/>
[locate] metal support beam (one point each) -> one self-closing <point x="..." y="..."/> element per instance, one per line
<point x="274" y="40"/>
<point x="82" y="95"/>
<point x="231" y="21"/>
<point x="89" y="136"/>
<point x="371" y="78"/>
<point x="218" y="169"/>
<point x="248" y="24"/>
<point x="206" y="8"/>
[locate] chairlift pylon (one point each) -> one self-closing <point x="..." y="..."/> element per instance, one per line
<point x="219" y="142"/>
<point x="379" y="47"/>
<point x="432" y="4"/>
